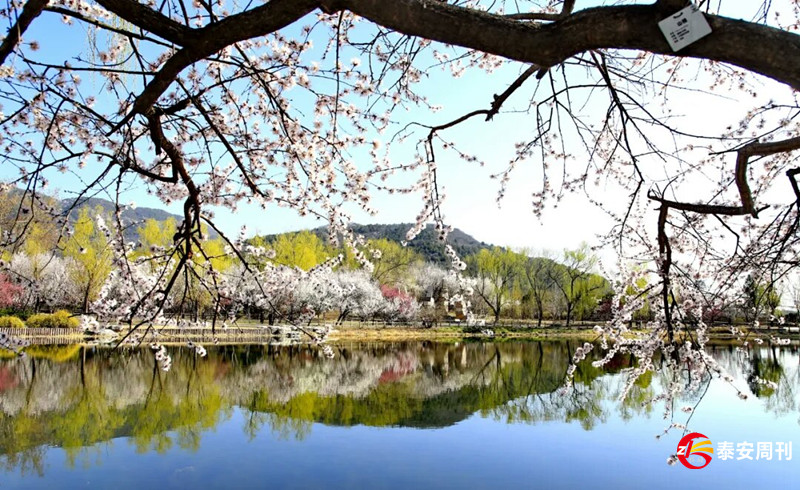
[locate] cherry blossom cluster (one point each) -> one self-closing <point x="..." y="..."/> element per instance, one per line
<point x="161" y="356"/>
<point x="198" y="349"/>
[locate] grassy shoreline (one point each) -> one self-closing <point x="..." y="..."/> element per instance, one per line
<point x="395" y="333"/>
<point x="372" y="333"/>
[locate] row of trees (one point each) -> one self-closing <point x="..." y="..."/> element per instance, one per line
<point x="691" y="150"/>
<point x="517" y="285"/>
<point x="49" y="270"/>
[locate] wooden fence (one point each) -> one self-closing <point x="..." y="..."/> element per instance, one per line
<point x="273" y="334"/>
<point x="45" y="335"/>
<point x="206" y="335"/>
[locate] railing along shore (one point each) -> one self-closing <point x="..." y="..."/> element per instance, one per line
<point x="248" y="334"/>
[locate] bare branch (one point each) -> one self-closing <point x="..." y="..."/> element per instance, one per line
<point x="620" y="27"/>
<point x="148" y="19"/>
<point x="30" y="11"/>
<point x="566" y="10"/>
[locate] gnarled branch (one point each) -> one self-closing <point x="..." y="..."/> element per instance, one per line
<point x="30" y="11"/>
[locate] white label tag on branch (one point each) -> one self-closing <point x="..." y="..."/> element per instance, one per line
<point x="684" y="28"/>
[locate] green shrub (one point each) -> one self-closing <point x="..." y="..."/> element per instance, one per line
<point x="11" y="311"/>
<point x="59" y="319"/>
<point x="11" y="322"/>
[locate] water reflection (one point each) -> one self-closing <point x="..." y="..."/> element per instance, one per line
<point x="77" y="397"/>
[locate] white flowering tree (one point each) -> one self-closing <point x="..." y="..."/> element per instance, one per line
<point x="439" y="290"/>
<point x="292" y="103"/>
<point x="274" y="293"/>
<point x="357" y="295"/>
<point x="45" y="280"/>
<point x="433" y="282"/>
<point x="290" y="294"/>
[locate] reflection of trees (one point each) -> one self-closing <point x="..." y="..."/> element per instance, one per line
<point x="769" y="363"/>
<point x="639" y="397"/>
<point x="23" y="444"/>
<point x="588" y="402"/>
<point x="764" y="368"/>
<point x="89" y="418"/>
<point x="104" y="395"/>
<point x="766" y="364"/>
<point x="185" y="403"/>
<point x="79" y="399"/>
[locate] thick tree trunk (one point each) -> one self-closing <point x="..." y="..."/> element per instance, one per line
<point x="86" y="301"/>
<point x="540" y="313"/>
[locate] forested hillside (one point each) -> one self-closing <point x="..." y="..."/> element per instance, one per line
<point x="426" y="244"/>
<point x="132" y="216"/>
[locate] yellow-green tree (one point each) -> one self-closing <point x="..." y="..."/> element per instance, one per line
<point x="497" y="271"/>
<point x="91" y="255"/>
<point x="215" y="252"/>
<point x="29" y="226"/>
<point x="393" y="261"/>
<point x="537" y="281"/>
<point x="194" y="288"/>
<point x="760" y="297"/>
<point x="577" y="282"/>
<point x="154" y="233"/>
<point x="39" y="245"/>
<point x="639" y="287"/>
<point x="303" y="249"/>
<point x="40" y="239"/>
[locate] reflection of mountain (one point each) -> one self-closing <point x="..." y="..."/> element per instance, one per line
<point x="440" y="385"/>
<point x="97" y="395"/>
<point x="81" y="398"/>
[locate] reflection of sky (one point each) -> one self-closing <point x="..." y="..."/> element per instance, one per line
<point x="476" y="453"/>
<point x="479" y="452"/>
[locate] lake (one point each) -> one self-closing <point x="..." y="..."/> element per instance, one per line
<point x="381" y="415"/>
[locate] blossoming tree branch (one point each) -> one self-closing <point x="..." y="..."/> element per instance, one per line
<point x="297" y="103"/>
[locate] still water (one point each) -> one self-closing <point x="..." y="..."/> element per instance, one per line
<point x="383" y="415"/>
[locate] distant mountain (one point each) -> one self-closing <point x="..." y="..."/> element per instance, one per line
<point x="132" y="218"/>
<point x="129" y="215"/>
<point x="426" y="243"/>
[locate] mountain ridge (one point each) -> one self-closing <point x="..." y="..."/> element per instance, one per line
<point x="426" y="243"/>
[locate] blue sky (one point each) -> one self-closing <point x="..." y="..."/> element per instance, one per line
<point x="471" y="193"/>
